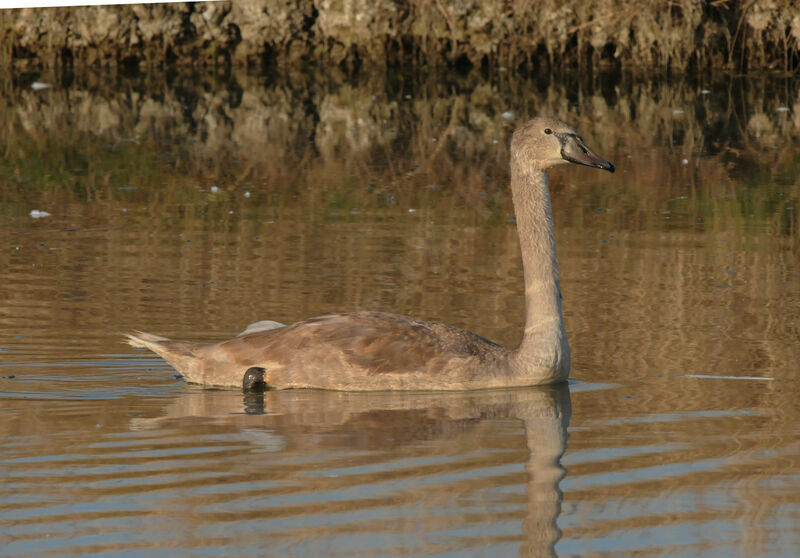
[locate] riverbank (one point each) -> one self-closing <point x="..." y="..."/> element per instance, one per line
<point x="754" y="35"/>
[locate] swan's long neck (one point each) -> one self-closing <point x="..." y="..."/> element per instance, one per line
<point x="544" y="345"/>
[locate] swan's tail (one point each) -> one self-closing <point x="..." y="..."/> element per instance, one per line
<point x="181" y="355"/>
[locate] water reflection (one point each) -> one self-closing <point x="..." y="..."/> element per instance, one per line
<point x="409" y="469"/>
<point x="366" y="429"/>
<point x="682" y="143"/>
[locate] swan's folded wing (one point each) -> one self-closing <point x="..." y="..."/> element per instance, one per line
<point x="348" y="351"/>
<point x="375" y="341"/>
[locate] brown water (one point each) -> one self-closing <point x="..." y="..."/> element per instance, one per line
<point x="190" y="207"/>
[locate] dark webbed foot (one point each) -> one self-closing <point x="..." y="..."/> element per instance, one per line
<point x="253" y="380"/>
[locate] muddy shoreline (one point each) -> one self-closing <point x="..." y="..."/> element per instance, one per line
<point x="541" y="35"/>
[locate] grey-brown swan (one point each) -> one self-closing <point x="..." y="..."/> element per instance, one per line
<point x="369" y="351"/>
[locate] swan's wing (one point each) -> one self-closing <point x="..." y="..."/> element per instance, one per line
<point x="380" y="342"/>
<point x="347" y="351"/>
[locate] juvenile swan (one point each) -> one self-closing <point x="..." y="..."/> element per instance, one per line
<point x="367" y="351"/>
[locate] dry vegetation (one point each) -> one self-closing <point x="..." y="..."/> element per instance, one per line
<point x="741" y="35"/>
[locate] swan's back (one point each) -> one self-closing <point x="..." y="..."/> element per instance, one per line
<point x="353" y="351"/>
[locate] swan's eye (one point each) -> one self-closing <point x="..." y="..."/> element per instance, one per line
<point x="548" y="131"/>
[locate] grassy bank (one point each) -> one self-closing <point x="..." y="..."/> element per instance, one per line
<point x="744" y="35"/>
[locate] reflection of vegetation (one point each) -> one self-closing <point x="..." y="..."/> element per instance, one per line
<point x="333" y="144"/>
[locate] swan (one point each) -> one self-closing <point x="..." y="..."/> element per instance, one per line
<point x="375" y="351"/>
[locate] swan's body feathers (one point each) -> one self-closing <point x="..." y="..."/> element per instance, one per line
<point x="355" y="351"/>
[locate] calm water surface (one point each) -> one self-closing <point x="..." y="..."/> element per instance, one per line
<point x="192" y="206"/>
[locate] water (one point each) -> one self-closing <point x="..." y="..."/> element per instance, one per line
<point x="190" y="207"/>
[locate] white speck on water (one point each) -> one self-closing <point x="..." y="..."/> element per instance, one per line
<point x="214" y="189"/>
<point x="408" y="96"/>
<point x="39" y="214"/>
<point x="677" y="111"/>
<point x="495" y="141"/>
<point x="247" y="194"/>
<point x="39" y="85"/>
<point x="507" y="115"/>
<point x="684" y="161"/>
<point x="705" y="91"/>
<point x="412" y="210"/>
<point x="782" y="109"/>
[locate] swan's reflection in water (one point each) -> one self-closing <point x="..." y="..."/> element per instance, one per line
<point x="435" y="446"/>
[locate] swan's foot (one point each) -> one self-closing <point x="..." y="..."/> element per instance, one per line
<point x="253" y="381"/>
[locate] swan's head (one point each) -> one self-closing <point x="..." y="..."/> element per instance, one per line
<point x="545" y="142"/>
